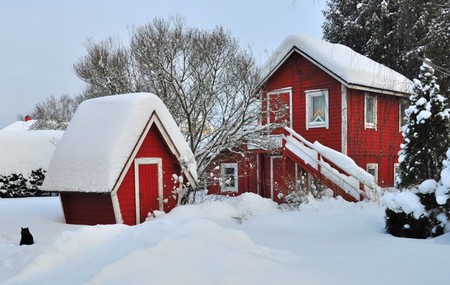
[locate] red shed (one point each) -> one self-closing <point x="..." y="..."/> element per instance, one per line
<point x="119" y="160"/>
<point x="330" y="94"/>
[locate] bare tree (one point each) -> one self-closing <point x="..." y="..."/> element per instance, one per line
<point x="105" y="68"/>
<point x="204" y="77"/>
<point x="53" y="113"/>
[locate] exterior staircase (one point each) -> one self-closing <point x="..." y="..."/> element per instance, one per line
<point x="332" y="168"/>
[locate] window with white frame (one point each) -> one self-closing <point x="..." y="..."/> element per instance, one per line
<point x="316" y="109"/>
<point x="372" y="168"/>
<point x="370" y="111"/>
<point x="229" y="177"/>
<point x="402" y="119"/>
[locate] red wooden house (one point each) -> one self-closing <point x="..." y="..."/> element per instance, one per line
<point x="119" y="160"/>
<point x="329" y="94"/>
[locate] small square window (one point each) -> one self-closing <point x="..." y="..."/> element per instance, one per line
<point x="229" y="177"/>
<point x="370" y="111"/>
<point x="317" y="109"/>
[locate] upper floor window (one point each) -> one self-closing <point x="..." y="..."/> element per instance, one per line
<point x="229" y="175"/>
<point x="370" y="111"/>
<point x="316" y="109"/>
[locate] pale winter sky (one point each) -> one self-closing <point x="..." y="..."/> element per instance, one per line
<point x="41" y="40"/>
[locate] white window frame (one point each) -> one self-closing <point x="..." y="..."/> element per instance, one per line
<point x="401" y="113"/>
<point x="370" y="125"/>
<point x="278" y="92"/>
<point x="396" y="169"/>
<point x="373" y="166"/>
<point x="223" y="186"/>
<point x="142" y="161"/>
<point x="309" y="94"/>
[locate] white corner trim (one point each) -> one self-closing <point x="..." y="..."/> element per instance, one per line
<point x="141" y="161"/>
<point x="116" y="208"/>
<point x="344" y="120"/>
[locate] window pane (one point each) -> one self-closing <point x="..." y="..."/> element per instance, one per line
<point x="229" y="177"/>
<point x="318" y="113"/>
<point x="370" y="110"/>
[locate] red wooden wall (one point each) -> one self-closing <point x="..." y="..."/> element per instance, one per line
<point x="247" y="173"/>
<point x="87" y="208"/>
<point x="302" y="75"/>
<point x="379" y="145"/>
<point x="153" y="146"/>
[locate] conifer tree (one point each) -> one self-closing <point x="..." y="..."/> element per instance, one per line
<point x="396" y="33"/>
<point x="425" y="136"/>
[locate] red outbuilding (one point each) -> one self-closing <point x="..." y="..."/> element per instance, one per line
<point x="121" y="158"/>
<point x="334" y="102"/>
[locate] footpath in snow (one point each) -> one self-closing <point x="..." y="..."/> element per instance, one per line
<point x="241" y="240"/>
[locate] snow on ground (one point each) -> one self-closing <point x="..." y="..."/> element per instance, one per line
<point x="241" y="240"/>
<point x="23" y="150"/>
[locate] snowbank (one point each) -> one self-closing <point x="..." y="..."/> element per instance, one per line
<point x="325" y="242"/>
<point x="22" y="151"/>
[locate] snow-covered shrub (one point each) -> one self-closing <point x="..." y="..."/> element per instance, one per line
<point x="420" y="212"/>
<point x="17" y="186"/>
<point x="297" y="191"/>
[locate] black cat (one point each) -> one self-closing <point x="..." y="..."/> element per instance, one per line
<point x="27" y="237"/>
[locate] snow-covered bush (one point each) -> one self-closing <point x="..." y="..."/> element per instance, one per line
<point x="420" y="212"/>
<point x="297" y="191"/>
<point x="17" y="186"/>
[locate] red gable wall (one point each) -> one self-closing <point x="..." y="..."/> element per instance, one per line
<point x="153" y="146"/>
<point x="302" y="75"/>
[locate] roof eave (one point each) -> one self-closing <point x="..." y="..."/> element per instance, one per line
<point x="329" y="72"/>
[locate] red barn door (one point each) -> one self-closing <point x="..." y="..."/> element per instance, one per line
<point x="148" y="187"/>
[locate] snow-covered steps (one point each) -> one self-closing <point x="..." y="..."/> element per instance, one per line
<point x="334" y="169"/>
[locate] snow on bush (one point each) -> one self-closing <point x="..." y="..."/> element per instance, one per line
<point x="420" y="212"/>
<point x="406" y="202"/>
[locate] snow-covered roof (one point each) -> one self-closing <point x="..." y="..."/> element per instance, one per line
<point x="352" y="69"/>
<point x="22" y="151"/>
<point x="101" y="138"/>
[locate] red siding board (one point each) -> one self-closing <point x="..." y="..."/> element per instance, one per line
<point x="87" y="208"/>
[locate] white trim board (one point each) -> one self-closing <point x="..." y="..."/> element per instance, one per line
<point x="147" y="161"/>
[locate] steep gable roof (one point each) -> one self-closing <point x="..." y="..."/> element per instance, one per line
<point x="102" y="136"/>
<point x="341" y="62"/>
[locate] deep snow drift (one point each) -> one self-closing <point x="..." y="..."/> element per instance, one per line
<point x="242" y="240"/>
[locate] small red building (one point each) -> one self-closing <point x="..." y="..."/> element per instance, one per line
<point x="119" y="160"/>
<point x="325" y="93"/>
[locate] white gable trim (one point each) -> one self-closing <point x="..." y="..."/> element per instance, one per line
<point x="154" y="119"/>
